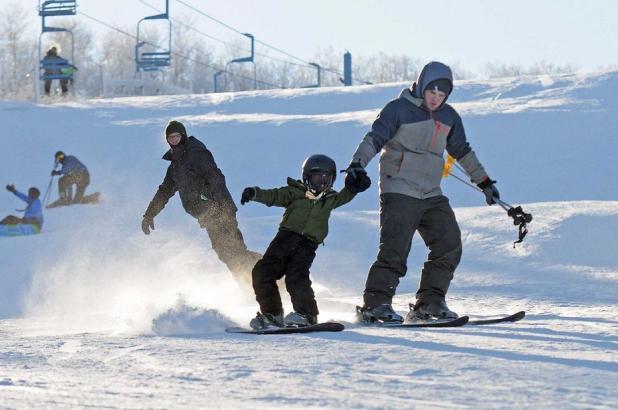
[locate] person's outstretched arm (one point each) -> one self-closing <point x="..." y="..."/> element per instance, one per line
<point x="166" y="190"/>
<point x="382" y="130"/>
<point x="21" y="196"/>
<point x="274" y="197"/>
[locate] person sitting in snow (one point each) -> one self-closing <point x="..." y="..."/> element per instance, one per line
<point x="411" y="134"/>
<point x="194" y="174"/>
<point x="73" y="173"/>
<point x="303" y="227"/>
<point x="33" y="214"/>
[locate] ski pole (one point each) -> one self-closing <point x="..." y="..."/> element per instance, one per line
<point x="46" y="196"/>
<point x="51" y="180"/>
<point x="520" y="217"/>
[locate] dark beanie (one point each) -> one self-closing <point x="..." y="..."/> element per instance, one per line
<point x="441" y="84"/>
<point x="175" y="126"/>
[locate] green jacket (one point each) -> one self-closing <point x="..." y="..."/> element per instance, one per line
<point x="303" y="214"/>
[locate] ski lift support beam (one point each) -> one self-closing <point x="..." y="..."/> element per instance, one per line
<point x="154" y="60"/>
<point x="250" y="59"/>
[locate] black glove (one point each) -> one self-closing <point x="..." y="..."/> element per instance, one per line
<point x="10" y="188"/>
<point x="490" y="190"/>
<point x="248" y="194"/>
<point x="54" y="173"/>
<point x="358" y="184"/>
<point x="355" y="169"/>
<point x="147" y="224"/>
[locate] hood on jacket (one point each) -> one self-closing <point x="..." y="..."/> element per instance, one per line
<point x="432" y="71"/>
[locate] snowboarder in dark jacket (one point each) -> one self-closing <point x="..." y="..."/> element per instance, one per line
<point x="308" y="205"/>
<point x="73" y="173"/>
<point x="194" y="174"/>
<point x="33" y="214"/>
<point x="411" y="134"/>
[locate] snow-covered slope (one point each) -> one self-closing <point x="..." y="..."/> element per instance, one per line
<point x="95" y="313"/>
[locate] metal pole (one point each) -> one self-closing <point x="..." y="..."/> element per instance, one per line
<point x="36" y="73"/>
<point x="46" y="196"/>
<point x="347" y="69"/>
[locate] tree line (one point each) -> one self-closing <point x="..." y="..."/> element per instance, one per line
<point x="195" y="61"/>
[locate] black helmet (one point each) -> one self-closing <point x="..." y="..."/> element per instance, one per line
<point x="319" y="173"/>
<point x="59" y="155"/>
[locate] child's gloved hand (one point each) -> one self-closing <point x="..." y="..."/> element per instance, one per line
<point x="247" y="195"/>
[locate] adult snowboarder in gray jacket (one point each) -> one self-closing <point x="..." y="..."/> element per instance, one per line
<point x="204" y="195"/>
<point x="411" y="134"/>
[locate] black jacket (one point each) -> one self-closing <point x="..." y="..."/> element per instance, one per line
<point x="194" y="173"/>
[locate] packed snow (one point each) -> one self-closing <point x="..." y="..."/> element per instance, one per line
<point x="93" y="313"/>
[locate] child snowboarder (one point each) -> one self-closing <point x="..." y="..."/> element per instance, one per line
<point x="33" y="214"/>
<point x="303" y="227"/>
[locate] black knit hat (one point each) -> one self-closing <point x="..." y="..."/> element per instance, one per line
<point x="175" y="126"/>
<point x="441" y="84"/>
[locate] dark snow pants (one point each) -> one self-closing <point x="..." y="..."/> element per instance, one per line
<point x="65" y="186"/>
<point x="290" y="255"/>
<point x="64" y="85"/>
<point x="400" y="217"/>
<point x="228" y="243"/>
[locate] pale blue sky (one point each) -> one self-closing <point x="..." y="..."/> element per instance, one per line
<point x="468" y="32"/>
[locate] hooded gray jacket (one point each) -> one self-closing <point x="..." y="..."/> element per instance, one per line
<point x="412" y="140"/>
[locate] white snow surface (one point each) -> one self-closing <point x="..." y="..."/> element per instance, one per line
<point x="95" y="314"/>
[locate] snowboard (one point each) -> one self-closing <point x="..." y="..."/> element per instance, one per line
<point x="87" y="199"/>
<point x="460" y="321"/>
<point x="19" y="230"/>
<point x="320" y="327"/>
<point x="510" y="318"/>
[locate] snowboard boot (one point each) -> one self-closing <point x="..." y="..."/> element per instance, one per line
<point x="266" y="321"/>
<point x="379" y="314"/>
<point x="431" y="310"/>
<point x="296" y="319"/>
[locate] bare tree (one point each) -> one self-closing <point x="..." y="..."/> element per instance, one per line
<point x="196" y="59"/>
<point x="17" y="62"/>
<point x="116" y="56"/>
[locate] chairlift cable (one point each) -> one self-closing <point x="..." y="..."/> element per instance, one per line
<point x="225" y="42"/>
<point x="327" y="69"/>
<point x="180" y="55"/>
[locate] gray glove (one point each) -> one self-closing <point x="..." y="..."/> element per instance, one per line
<point x="147" y="225"/>
<point x="490" y="190"/>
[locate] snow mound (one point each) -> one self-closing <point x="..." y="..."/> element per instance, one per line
<point x="187" y="320"/>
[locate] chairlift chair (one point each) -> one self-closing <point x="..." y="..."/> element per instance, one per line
<point x="153" y="60"/>
<point x="56" y="68"/>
